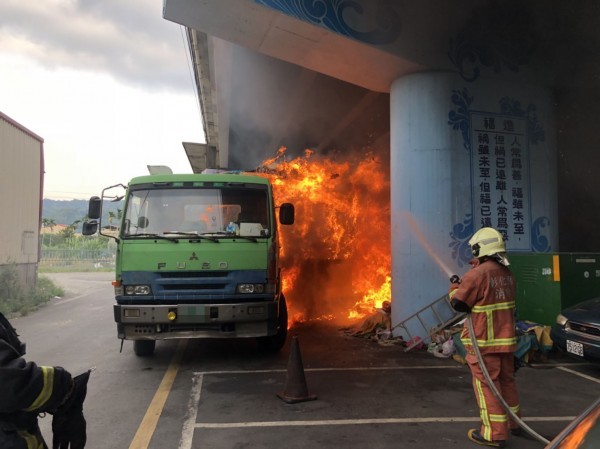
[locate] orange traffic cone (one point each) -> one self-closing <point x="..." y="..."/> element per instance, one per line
<point x="295" y="389"/>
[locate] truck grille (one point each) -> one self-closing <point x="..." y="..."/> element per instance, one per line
<point x="193" y="274"/>
<point x="585" y="329"/>
<point x="193" y="282"/>
<point x="194" y="287"/>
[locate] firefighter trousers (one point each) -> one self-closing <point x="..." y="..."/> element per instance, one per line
<point x="20" y="431"/>
<point x="21" y="439"/>
<point x="495" y="421"/>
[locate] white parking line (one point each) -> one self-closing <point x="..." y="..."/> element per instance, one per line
<point x="190" y="423"/>
<point x="585" y="376"/>
<point x="370" y="368"/>
<point x="346" y="422"/>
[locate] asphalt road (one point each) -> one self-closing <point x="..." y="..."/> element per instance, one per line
<point x="223" y="393"/>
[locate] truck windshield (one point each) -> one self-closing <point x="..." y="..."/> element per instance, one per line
<point x="182" y="212"/>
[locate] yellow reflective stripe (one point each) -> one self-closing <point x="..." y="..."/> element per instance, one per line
<point x="452" y="293"/>
<point x="30" y="440"/>
<point x="498" y="418"/>
<point x="491" y="343"/>
<point x="492" y="307"/>
<point x="483" y="413"/>
<point x="490" y="325"/>
<point x="489" y="312"/>
<point x="497" y="342"/>
<point x="515" y="408"/>
<point x="47" y="387"/>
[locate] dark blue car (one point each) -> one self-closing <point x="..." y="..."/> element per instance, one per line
<point x="577" y="331"/>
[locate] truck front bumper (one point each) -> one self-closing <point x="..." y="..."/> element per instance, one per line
<point x="159" y="322"/>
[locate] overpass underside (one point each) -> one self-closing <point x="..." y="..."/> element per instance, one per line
<point x="484" y="112"/>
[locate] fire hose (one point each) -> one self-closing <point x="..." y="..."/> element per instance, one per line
<point x="495" y="391"/>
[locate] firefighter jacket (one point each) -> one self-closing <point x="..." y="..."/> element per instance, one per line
<point x="26" y="390"/>
<point x="488" y="290"/>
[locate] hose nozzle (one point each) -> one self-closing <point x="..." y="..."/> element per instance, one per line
<point x="455" y="279"/>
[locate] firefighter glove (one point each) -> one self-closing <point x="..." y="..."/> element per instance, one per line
<point x="68" y="423"/>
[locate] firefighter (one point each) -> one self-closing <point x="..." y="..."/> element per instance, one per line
<point x="28" y="390"/>
<point x="487" y="292"/>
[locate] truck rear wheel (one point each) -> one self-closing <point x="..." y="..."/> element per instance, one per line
<point x="144" y="348"/>
<point x="275" y="342"/>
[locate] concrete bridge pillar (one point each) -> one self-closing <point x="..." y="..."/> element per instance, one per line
<point x="464" y="156"/>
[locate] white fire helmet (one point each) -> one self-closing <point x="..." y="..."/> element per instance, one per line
<point x="489" y="242"/>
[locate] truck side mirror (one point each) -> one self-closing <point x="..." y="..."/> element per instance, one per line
<point x="89" y="228"/>
<point x="94" y="208"/>
<point x="286" y="214"/>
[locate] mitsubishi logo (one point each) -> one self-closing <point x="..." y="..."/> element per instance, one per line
<point x="193" y="256"/>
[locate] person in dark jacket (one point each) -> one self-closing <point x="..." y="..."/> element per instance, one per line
<point x="28" y="390"/>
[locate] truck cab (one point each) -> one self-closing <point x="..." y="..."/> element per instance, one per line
<point x="198" y="257"/>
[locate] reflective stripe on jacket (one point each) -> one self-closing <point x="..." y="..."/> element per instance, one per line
<point x="489" y="290"/>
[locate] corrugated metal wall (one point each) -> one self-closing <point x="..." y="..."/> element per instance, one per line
<point x="21" y="160"/>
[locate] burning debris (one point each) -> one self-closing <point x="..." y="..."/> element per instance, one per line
<point x="337" y="256"/>
<point x="378" y="323"/>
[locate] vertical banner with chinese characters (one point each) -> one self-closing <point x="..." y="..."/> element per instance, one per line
<point x="500" y="176"/>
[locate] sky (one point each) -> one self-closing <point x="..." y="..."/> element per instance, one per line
<point x="107" y="84"/>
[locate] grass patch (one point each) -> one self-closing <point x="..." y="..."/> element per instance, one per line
<point x="14" y="300"/>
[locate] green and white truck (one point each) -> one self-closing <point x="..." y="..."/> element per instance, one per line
<point x="197" y="257"/>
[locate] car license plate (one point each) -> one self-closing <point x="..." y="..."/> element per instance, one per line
<point x="575" y="348"/>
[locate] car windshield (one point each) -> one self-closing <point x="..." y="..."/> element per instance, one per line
<point x="183" y="212"/>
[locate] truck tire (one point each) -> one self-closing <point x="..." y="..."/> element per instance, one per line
<point x="274" y="343"/>
<point x="144" y="348"/>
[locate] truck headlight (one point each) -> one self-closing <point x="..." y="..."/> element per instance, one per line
<point x="137" y="290"/>
<point x="250" y="288"/>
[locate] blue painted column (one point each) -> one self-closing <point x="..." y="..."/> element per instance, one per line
<point x="464" y="156"/>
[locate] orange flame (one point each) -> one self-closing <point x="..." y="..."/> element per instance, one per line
<point x="578" y="435"/>
<point x="336" y="257"/>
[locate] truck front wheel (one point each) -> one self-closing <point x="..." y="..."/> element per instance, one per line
<point x="144" y="348"/>
<point x="275" y="342"/>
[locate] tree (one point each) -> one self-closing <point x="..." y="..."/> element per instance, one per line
<point x="112" y="215"/>
<point x="68" y="233"/>
<point x="48" y="223"/>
